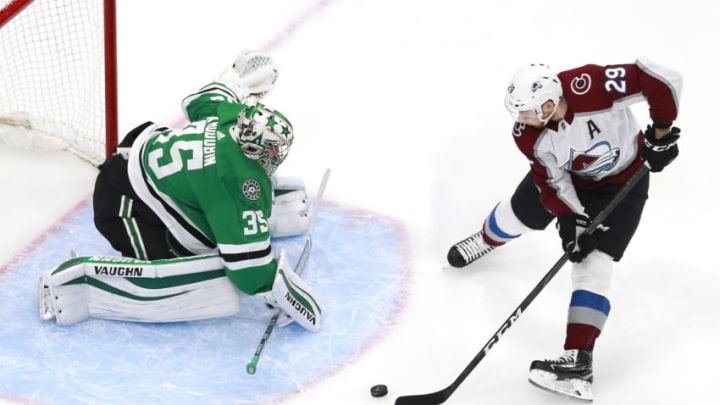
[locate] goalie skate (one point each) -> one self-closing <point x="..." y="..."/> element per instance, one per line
<point x="46" y="311"/>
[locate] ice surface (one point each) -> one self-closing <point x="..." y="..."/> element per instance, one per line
<point x="353" y="267"/>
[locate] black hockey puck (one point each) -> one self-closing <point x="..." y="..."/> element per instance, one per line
<point x="379" y="390"/>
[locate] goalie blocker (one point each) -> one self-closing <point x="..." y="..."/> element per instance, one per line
<point x="172" y="290"/>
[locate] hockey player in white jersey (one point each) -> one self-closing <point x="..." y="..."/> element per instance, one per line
<point x="583" y="144"/>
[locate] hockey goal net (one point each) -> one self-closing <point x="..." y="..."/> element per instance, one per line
<point x="58" y="81"/>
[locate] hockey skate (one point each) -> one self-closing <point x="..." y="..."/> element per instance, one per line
<point x="569" y="376"/>
<point x="468" y="250"/>
<point x="46" y="311"/>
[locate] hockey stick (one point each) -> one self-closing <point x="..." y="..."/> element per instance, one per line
<point x="441" y="396"/>
<point x="252" y="365"/>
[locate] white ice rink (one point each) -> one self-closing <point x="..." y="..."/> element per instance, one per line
<point x="403" y="100"/>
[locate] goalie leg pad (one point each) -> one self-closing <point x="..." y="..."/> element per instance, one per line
<point x="282" y="184"/>
<point x="295" y="297"/>
<point x="290" y="208"/>
<point x="289" y="219"/>
<point x="202" y="300"/>
<point x="136" y="290"/>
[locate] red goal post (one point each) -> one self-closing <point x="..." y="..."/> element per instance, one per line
<point x="58" y="75"/>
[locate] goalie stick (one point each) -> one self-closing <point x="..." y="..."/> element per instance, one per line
<point x="441" y="396"/>
<point x="252" y="365"/>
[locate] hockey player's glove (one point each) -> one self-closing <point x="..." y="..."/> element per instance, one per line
<point x="658" y="153"/>
<point x="574" y="241"/>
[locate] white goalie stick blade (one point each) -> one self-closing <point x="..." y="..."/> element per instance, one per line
<point x="573" y="388"/>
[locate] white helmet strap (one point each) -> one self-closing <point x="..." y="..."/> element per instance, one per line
<point x="540" y="113"/>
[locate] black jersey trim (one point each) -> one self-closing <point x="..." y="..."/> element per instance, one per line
<point x="240" y="257"/>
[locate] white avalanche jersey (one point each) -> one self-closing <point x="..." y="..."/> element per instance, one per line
<point x="598" y="142"/>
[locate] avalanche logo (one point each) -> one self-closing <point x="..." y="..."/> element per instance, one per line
<point x="581" y="84"/>
<point x="592" y="162"/>
<point x="536" y="86"/>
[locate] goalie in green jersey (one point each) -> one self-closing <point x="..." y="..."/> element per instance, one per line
<point x="192" y="211"/>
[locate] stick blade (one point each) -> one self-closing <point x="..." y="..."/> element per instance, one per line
<point x="426" y="399"/>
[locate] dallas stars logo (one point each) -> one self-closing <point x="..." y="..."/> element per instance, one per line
<point x="251" y="190"/>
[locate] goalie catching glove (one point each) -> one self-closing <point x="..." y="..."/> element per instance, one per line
<point x="253" y="74"/>
<point x="293" y="297"/>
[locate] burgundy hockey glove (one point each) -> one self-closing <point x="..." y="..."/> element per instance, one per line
<point x="658" y="153"/>
<point x="571" y="228"/>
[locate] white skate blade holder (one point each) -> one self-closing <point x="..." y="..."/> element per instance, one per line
<point x="573" y="388"/>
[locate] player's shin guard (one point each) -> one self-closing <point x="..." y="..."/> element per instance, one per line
<point x="294" y="296"/>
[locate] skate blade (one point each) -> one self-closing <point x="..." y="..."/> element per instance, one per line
<point x="573" y="388"/>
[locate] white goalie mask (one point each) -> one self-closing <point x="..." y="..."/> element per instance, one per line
<point x="530" y="88"/>
<point x="264" y="135"/>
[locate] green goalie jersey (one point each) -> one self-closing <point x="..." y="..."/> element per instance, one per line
<point x="206" y="191"/>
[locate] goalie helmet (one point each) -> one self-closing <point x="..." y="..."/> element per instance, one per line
<point x="264" y="135"/>
<point x="530" y="88"/>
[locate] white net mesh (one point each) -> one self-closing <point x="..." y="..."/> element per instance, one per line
<point x="52" y="81"/>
